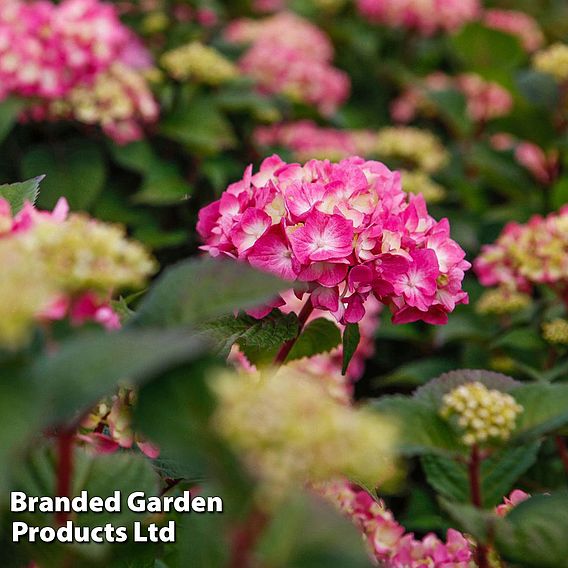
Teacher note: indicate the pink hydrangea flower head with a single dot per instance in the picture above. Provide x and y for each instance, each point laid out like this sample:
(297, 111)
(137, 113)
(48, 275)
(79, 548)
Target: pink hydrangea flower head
(424, 16)
(347, 230)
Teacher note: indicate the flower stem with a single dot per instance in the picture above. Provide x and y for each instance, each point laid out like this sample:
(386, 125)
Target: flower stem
(476, 500)
(562, 451)
(64, 468)
(245, 538)
(287, 347)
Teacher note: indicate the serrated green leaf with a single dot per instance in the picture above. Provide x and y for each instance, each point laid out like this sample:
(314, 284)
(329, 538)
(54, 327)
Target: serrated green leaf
(16, 194)
(499, 474)
(319, 336)
(533, 534)
(196, 290)
(351, 338)
(259, 339)
(420, 429)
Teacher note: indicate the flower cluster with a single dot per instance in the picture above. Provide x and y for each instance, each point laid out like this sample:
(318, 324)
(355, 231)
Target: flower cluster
(200, 63)
(75, 263)
(553, 61)
(516, 23)
(424, 16)
(501, 301)
(78, 59)
(108, 426)
(556, 331)
(346, 229)
(413, 146)
(289, 55)
(258, 416)
(418, 182)
(483, 414)
(529, 254)
(119, 101)
(386, 538)
(485, 100)
(306, 140)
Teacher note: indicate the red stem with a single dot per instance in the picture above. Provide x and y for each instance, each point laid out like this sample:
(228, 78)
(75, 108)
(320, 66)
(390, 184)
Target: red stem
(64, 469)
(287, 347)
(477, 501)
(562, 451)
(245, 538)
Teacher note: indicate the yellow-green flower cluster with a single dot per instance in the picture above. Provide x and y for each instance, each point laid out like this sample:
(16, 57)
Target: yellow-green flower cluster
(200, 63)
(483, 414)
(419, 148)
(553, 61)
(420, 182)
(289, 430)
(556, 331)
(85, 254)
(502, 301)
(26, 291)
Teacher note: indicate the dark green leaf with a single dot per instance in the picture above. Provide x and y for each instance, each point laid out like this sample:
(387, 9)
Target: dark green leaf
(319, 336)
(351, 338)
(10, 109)
(74, 169)
(539, 88)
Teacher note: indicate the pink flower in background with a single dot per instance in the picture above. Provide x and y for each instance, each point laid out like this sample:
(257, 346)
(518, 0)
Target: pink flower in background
(387, 540)
(289, 55)
(543, 166)
(515, 498)
(424, 16)
(347, 230)
(485, 100)
(517, 23)
(84, 65)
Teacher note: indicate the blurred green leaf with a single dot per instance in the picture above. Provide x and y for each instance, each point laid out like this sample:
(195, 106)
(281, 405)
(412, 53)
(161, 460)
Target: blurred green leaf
(485, 50)
(16, 194)
(539, 89)
(196, 290)
(421, 429)
(163, 185)
(559, 193)
(74, 169)
(86, 368)
(10, 109)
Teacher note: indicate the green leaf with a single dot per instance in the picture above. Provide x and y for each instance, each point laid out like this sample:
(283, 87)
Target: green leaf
(499, 474)
(534, 532)
(74, 169)
(137, 156)
(485, 50)
(163, 185)
(308, 533)
(197, 290)
(421, 429)
(351, 338)
(545, 409)
(451, 105)
(86, 368)
(199, 126)
(16, 194)
(319, 336)
(257, 338)
(473, 521)
(10, 109)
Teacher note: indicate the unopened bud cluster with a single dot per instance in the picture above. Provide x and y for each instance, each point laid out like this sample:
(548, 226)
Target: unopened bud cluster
(259, 417)
(482, 414)
(501, 301)
(200, 63)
